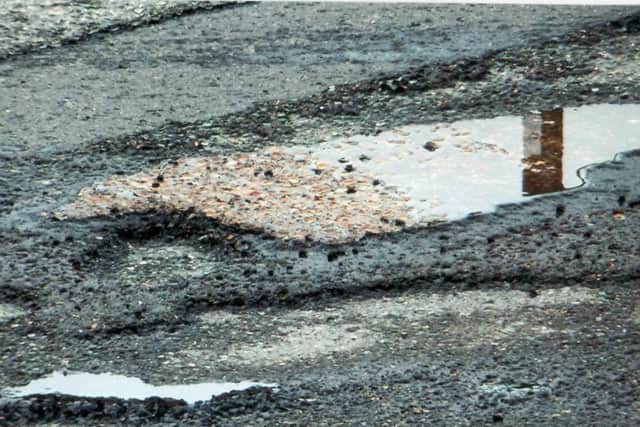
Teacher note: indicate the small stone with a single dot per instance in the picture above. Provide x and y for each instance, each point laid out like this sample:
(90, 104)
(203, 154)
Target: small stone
(618, 215)
(334, 255)
(430, 146)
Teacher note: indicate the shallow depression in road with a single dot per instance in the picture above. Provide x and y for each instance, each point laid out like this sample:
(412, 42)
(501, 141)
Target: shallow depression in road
(414, 175)
(123, 387)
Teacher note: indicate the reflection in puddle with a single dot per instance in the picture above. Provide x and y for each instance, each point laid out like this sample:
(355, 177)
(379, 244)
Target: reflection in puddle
(122, 387)
(413, 175)
(543, 149)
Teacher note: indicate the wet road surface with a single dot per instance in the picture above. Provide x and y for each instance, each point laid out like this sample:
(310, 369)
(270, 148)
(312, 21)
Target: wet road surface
(397, 215)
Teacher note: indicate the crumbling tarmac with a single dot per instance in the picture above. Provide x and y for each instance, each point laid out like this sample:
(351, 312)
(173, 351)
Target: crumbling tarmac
(525, 315)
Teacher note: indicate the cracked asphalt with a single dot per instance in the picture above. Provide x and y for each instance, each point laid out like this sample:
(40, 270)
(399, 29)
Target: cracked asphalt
(527, 315)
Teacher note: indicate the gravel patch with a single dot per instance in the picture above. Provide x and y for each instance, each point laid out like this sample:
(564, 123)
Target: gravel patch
(9, 312)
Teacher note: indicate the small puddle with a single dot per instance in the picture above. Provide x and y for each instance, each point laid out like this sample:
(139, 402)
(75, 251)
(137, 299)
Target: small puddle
(413, 175)
(123, 387)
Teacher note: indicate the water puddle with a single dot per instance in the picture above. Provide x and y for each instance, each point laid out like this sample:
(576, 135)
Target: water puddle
(413, 175)
(123, 387)
(450, 170)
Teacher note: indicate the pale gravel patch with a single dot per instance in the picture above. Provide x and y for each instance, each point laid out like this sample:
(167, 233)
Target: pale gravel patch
(635, 316)
(307, 342)
(154, 263)
(463, 304)
(299, 343)
(495, 317)
(220, 318)
(9, 311)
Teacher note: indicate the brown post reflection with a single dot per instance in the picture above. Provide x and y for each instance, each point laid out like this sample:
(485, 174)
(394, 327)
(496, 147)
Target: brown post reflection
(543, 148)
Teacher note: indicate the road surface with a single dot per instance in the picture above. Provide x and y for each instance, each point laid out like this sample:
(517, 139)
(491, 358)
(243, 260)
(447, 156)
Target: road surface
(524, 315)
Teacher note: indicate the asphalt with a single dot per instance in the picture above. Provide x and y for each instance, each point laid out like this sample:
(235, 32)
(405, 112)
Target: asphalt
(524, 316)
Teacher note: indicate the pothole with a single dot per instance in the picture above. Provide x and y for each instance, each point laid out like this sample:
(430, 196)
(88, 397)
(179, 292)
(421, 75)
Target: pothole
(343, 189)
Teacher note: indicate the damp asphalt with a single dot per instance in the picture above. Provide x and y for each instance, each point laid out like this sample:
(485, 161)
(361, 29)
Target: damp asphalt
(146, 235)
